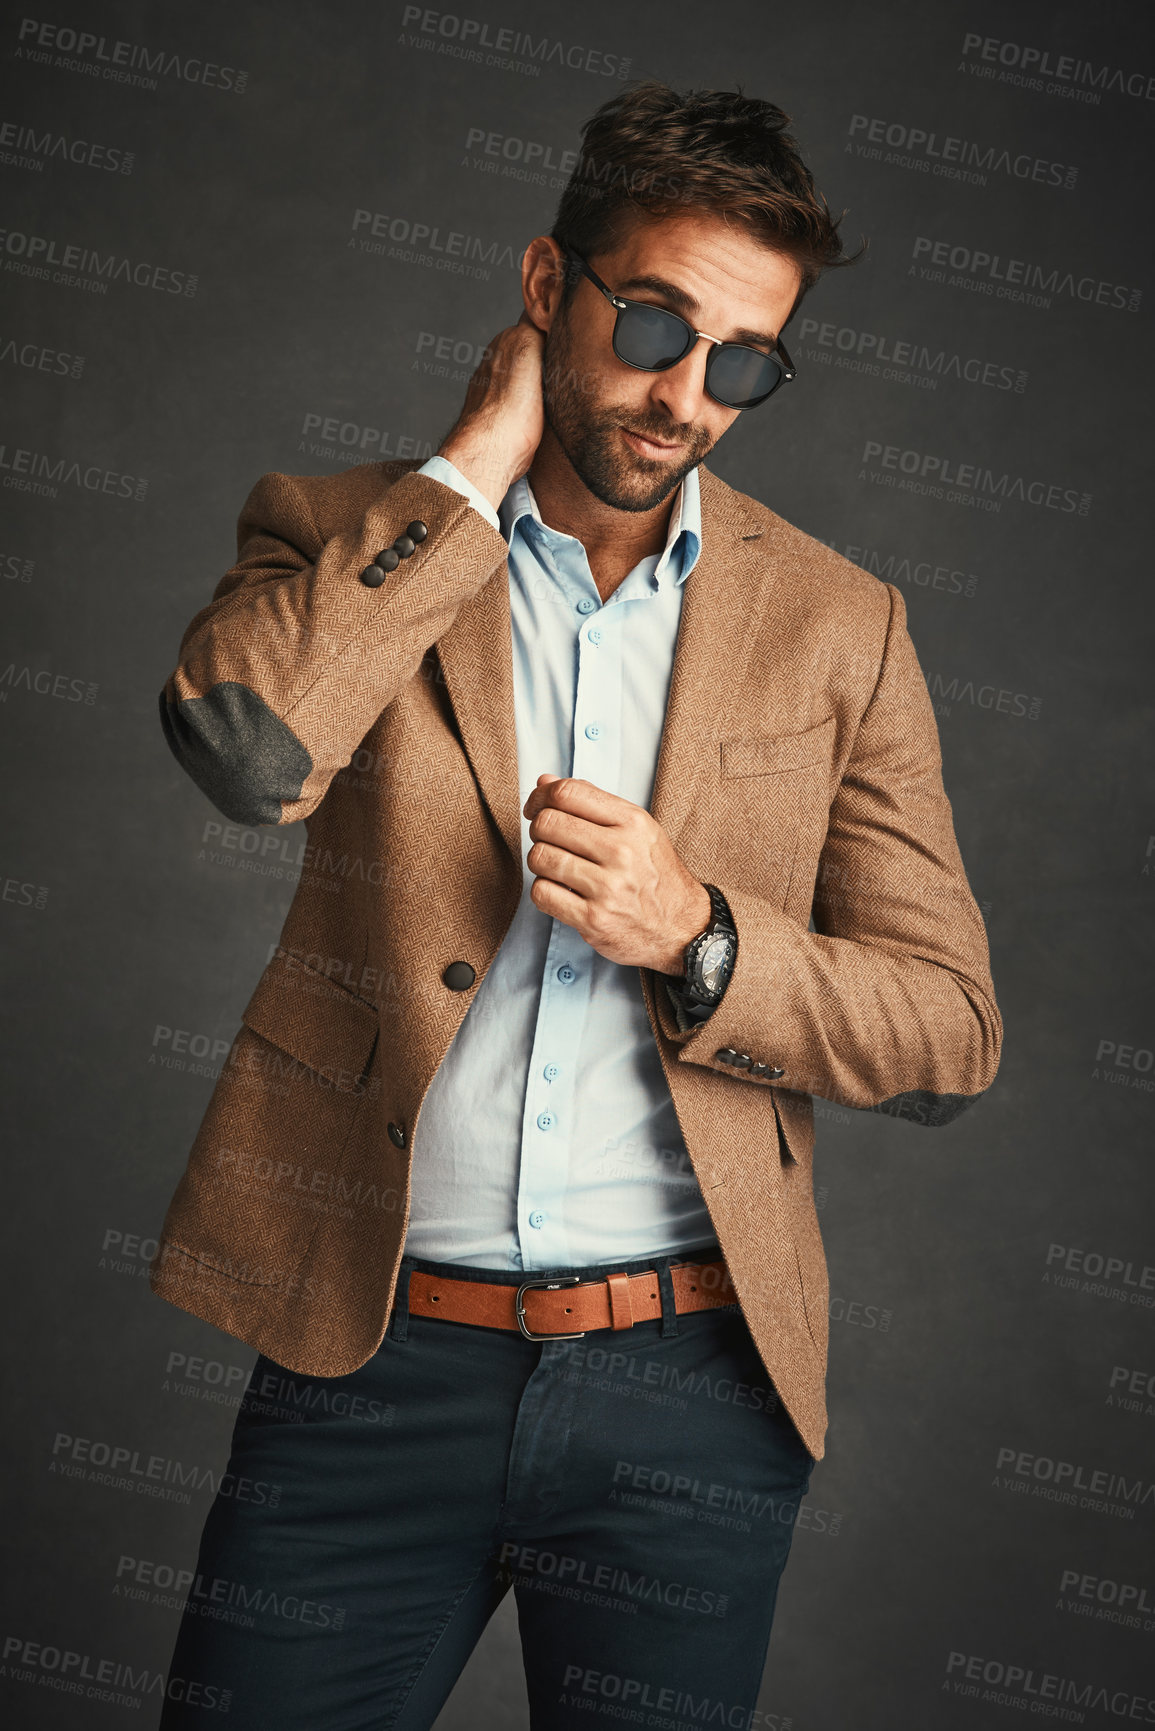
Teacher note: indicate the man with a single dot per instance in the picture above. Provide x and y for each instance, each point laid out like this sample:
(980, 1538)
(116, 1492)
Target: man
(627, 835)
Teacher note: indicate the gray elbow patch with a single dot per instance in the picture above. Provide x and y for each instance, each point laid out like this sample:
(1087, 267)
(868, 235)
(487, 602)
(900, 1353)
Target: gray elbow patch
(238, 752)
(931, 1110)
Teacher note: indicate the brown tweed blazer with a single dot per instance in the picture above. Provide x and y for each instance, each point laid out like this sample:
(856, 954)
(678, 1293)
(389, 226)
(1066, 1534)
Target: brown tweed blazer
(799, 771)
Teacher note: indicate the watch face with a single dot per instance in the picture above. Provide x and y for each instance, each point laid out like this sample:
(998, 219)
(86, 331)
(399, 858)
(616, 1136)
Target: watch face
(714, 963)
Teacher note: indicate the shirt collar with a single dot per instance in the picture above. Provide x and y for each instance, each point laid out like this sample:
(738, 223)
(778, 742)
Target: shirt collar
(683, 540)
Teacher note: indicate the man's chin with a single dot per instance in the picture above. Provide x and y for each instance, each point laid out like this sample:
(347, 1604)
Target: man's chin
(637, 484)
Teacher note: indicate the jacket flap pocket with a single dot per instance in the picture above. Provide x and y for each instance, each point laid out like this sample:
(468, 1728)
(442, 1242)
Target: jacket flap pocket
(773, 756)
(323, 1025)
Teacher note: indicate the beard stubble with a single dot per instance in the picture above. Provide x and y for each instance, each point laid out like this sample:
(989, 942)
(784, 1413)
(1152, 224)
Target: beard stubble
(590, 438)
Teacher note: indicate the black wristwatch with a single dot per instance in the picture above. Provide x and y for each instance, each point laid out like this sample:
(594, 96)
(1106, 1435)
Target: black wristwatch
(708, 962)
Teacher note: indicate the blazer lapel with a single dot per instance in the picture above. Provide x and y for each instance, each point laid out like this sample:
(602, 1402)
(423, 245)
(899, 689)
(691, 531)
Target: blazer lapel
(725, 598)
(476, 655)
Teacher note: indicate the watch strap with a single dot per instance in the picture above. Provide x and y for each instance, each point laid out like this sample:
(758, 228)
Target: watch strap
(690, 1010)
(719, 909)
(686, 1015)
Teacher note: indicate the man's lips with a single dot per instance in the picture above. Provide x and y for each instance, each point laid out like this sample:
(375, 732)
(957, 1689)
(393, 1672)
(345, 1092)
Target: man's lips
(651, 447)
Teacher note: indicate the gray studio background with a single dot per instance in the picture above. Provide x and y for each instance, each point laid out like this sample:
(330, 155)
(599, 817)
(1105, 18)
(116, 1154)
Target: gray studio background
(993, 1283)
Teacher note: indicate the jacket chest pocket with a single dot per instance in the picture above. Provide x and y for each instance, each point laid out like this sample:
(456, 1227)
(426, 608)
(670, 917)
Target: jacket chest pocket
(774, 804)
(785, 754)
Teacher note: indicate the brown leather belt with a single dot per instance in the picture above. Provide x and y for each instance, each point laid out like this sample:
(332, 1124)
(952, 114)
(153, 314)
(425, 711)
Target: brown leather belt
(565, 1307)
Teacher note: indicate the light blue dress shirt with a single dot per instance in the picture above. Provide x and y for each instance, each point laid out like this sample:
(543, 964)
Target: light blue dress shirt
(548, 1135)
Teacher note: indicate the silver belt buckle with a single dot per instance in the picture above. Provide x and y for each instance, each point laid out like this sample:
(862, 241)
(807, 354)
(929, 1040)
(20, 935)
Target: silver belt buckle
(550, 1286)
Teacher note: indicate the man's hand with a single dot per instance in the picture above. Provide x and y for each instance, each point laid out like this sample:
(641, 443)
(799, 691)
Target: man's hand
(605, 867)
(494, 439)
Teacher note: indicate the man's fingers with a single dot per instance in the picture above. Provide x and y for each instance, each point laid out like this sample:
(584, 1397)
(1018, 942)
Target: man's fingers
(559, 903)
(598, 842)
(582, 799)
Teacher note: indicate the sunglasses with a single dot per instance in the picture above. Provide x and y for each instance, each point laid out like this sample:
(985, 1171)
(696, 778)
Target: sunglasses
(652, 339)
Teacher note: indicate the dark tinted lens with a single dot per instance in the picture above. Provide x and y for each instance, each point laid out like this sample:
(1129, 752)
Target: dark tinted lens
(741, 377)
(650, 338)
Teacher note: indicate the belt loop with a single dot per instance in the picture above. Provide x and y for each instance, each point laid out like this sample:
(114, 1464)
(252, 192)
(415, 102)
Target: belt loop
(669, 1305)
(399, 1322)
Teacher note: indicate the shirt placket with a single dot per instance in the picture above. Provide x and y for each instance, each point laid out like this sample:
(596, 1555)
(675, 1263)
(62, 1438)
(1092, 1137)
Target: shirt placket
(547, 1147)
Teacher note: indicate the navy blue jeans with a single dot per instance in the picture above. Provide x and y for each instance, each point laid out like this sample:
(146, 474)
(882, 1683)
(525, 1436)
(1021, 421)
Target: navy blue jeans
(637, 1490)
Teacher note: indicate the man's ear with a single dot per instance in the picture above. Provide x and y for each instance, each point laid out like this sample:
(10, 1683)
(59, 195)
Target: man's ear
(542, 281)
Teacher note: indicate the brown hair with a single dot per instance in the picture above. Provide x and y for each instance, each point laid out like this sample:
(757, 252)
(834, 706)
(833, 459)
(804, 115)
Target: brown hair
(651, 150)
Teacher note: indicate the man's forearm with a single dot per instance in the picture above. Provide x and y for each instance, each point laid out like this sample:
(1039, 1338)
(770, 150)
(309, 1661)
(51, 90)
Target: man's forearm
(849, 1021)
(306, 642)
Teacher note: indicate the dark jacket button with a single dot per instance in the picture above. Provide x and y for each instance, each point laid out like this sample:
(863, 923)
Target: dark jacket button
(389, 560)
(416, 530)
(397, 1135)
(774, 1074)
(372, 576)
(405, 546)
(459, 976)
(741, 1060)
(726, 1055)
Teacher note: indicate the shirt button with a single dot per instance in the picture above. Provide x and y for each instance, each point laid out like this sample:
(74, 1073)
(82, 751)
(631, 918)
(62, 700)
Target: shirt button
(551, 1072)
(537, 1218)
(593, 731)
(586, 604)
(594, 634)
(546, 1120)
(566, 974)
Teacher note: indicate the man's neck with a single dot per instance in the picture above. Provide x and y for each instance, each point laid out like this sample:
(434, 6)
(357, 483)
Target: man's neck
(614, 540)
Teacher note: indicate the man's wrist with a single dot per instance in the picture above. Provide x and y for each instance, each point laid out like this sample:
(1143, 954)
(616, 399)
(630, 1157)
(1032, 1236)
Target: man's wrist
(697, 918)
(441, 469)
(477, 465)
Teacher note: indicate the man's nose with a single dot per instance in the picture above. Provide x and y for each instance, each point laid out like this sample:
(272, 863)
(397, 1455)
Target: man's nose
(681, 389)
